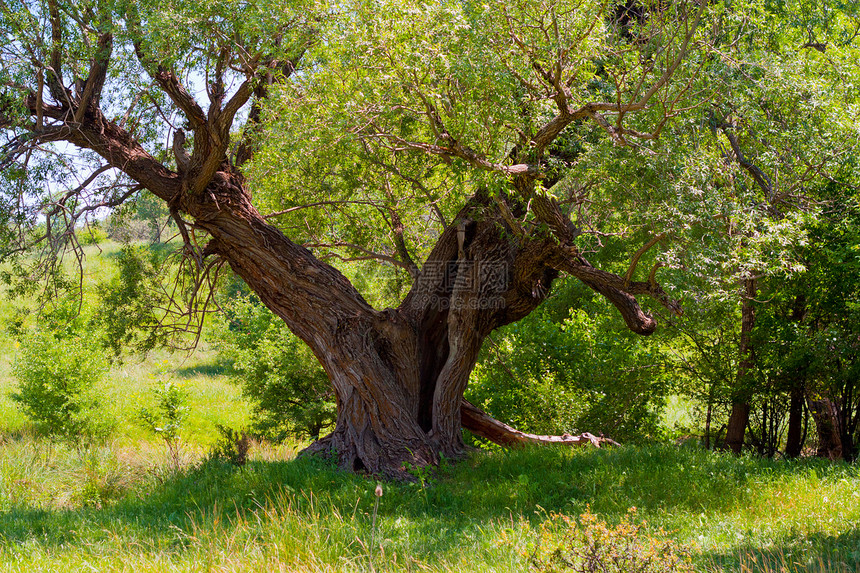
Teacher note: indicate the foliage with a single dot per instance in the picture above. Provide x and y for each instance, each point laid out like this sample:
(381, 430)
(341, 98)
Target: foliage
(232, 445)
(365, 132)
(809, 330)
(589, 545)
(59, 377)
(279, 374)
(167, 418)
(127, 312)
(581, 370)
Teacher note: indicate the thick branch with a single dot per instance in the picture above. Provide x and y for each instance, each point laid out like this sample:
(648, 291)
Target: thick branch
(55, 77)
(400, 244)
(617, 290)
(171, 85)
(96, 78)
(234, 104)
(638, 255)
(761, 179)
(165, 78)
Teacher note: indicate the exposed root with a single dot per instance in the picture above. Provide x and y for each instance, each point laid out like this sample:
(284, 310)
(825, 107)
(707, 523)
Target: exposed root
(482, 424)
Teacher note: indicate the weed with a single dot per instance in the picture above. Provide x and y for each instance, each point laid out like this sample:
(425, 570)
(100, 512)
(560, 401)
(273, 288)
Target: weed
(232, 446)
(589, 545)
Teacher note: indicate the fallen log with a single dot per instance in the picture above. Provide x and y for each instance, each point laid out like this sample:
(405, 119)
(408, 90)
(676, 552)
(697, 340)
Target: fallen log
(482, 424)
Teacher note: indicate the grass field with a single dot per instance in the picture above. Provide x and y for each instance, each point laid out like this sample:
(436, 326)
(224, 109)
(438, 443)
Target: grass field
(122, 506)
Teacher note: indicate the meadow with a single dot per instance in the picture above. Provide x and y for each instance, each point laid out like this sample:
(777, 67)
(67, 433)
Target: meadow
(124, 506)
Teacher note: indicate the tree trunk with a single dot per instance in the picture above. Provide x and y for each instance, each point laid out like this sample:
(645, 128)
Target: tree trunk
(826, 418)
(793, 440)
(740, 414)
(794, 437)
(399, 374)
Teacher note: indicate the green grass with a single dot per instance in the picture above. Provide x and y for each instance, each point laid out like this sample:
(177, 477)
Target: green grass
(117, 510)
(213, 397)
(122, 506)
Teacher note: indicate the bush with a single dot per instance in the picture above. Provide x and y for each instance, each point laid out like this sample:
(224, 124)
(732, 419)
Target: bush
(167, 418)
(573, 366)
(588, 545)
(57, 386)
(280, 375)
(93, 234)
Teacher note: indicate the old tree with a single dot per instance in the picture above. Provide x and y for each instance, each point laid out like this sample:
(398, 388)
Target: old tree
(465, 135)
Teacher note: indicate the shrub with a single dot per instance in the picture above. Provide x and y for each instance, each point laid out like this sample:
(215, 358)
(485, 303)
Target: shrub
(573, 366)
(588, 545)
(232, 446)
(57, 386)
(92, 234)
(168, 416)
(280, 375)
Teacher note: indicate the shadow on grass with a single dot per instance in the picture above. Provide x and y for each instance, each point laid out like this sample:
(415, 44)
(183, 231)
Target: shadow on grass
(488, 490)
(211, 368)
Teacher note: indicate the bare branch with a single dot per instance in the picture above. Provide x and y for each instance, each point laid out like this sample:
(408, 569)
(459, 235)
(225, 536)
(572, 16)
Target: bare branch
(83, 185)
(638, 255)
(416, 184)
(318, 204)
(459, 151)
(679, 57)
(369, 255)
